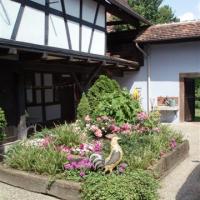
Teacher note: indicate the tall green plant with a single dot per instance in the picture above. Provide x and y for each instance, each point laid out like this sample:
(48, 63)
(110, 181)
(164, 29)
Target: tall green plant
(3, 124)
(118, 105)
(83, 107)
(102, 86)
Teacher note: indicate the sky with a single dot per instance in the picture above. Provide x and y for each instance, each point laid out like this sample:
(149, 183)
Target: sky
(186, 10)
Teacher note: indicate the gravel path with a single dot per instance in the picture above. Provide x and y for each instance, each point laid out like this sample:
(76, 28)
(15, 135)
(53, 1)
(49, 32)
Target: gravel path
(183, 183)
(8, 192)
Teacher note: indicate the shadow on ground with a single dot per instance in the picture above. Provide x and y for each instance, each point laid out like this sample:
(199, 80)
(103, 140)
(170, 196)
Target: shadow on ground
(191, 188)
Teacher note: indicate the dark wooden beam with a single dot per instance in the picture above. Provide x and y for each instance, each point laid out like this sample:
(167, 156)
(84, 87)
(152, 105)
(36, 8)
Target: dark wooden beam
(92, 75)
(114, 23)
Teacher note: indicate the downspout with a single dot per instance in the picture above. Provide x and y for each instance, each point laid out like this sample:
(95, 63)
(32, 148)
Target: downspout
(147, 56)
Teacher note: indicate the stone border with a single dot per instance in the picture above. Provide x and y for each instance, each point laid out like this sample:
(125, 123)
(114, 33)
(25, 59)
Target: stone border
(66, 190)
(169, 161)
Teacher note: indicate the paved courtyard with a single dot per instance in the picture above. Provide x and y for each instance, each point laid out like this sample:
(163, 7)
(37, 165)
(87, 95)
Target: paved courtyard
(8, 192)
(183, 183)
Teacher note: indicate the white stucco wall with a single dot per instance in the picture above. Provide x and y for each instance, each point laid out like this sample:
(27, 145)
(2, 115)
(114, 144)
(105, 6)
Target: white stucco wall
(167, 61)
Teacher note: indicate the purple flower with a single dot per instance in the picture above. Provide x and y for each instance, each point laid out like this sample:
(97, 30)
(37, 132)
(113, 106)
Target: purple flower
(122, 167)
(173, 144)
(121, 170)
(97, 147)
(82, 174)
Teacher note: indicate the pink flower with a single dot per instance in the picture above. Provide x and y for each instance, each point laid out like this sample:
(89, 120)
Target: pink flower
(98, 133)
(68, 166)
(105, 118)
(156, 129)
(142, 116)
(46, 141)
(94, 128)
(70, 157)
(87, 118)
(114, 128)
(65, 149)
(173, 144)
(126, 128)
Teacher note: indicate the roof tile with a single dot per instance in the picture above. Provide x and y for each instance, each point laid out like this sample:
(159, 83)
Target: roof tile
(173, 31)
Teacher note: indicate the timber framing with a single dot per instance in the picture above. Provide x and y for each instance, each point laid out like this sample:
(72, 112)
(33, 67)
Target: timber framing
(68, 56)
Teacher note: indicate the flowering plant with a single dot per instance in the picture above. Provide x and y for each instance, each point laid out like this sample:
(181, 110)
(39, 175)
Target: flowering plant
(105, 125)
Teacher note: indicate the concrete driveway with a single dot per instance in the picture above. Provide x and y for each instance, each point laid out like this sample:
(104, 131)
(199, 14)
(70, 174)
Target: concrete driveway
(8, 192)
(183, 183)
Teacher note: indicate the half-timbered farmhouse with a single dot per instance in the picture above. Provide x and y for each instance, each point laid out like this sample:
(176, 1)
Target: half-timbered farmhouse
(51, 51)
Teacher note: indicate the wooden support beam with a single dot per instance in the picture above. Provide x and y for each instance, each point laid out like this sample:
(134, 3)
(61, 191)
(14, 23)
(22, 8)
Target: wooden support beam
(77, 82)
(93, 74)
(114, 23)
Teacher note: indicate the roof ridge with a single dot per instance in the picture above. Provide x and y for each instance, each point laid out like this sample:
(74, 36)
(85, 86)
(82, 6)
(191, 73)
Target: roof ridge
(177, 23)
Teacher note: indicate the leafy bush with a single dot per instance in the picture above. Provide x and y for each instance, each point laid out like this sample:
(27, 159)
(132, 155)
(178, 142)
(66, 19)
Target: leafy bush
(3, 124)
(137, 185)
(102, 86)
(83, 107)
(39, 160)
(118, 105)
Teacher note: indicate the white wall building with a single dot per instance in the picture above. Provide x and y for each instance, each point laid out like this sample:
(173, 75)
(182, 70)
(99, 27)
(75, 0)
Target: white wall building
(171, 64)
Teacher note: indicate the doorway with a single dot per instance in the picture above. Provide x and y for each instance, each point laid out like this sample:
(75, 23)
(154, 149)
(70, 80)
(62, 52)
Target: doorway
(190, 97)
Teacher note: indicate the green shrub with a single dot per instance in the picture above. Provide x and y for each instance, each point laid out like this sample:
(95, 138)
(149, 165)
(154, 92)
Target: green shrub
(39, 160)
(83, 107)
(118, 105)
(102, 86)
(3, 124)
(137, 185)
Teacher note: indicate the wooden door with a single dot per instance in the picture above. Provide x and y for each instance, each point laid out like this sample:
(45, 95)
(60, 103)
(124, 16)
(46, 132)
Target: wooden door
(189, 99)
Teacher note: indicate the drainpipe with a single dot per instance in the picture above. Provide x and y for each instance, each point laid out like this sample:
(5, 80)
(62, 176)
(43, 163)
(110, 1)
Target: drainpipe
(147, 56)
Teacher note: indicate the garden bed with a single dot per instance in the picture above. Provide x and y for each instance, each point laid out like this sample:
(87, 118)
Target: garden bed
(169, 161)
(4, 148)
(106, 114)
(69, 190)
(66, 190)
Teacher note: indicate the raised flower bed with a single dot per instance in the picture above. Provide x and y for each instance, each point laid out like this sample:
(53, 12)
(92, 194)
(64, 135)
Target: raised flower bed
(64, 152)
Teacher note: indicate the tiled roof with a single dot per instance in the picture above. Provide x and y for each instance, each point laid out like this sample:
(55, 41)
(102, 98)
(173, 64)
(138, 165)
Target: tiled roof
(173, 31)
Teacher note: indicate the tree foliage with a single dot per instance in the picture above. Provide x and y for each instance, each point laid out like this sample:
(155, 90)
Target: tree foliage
(83, 107)
(153, 11)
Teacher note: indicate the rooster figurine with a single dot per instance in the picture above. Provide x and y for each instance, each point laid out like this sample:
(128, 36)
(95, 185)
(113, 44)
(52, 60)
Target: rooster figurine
(112, 160)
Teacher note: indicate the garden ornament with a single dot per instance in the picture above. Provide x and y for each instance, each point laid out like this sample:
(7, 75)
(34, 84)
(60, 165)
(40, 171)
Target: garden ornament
(112, 160)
